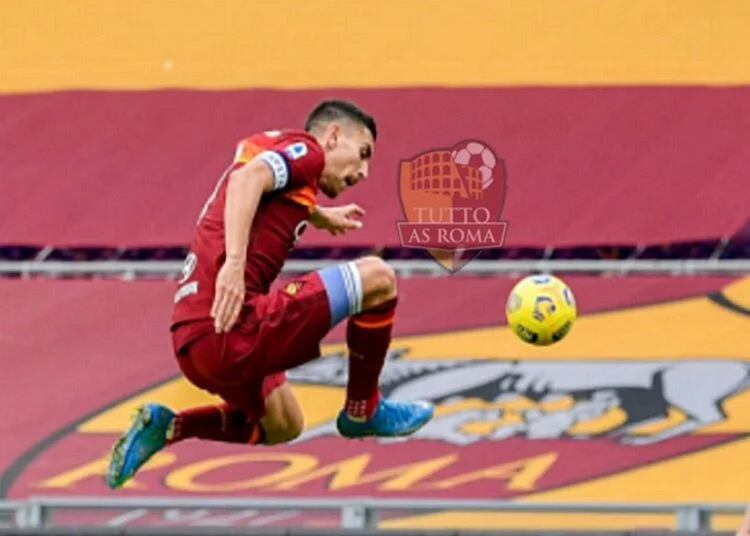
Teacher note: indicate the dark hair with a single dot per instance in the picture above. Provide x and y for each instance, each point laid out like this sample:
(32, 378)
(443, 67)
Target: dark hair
(335, 110)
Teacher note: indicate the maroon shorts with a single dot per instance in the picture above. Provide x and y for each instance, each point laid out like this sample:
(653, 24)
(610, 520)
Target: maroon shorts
(276, 332)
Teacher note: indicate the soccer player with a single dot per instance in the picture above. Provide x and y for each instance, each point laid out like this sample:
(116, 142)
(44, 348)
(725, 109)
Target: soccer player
(234, 336)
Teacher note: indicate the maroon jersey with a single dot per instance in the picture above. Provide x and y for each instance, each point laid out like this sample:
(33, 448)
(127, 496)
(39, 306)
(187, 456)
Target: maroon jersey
(296, 160)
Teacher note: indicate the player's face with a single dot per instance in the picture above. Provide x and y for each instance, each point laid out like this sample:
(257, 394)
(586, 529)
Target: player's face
(348, 151)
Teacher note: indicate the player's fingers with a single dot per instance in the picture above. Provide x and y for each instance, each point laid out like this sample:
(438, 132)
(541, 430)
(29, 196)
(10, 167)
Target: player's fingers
(234, 313)
(222, 310)
(217, 316)
(226, 313)
(355, 210)
(218, 300)
(233, 308)
(236, 309)
(223, 320)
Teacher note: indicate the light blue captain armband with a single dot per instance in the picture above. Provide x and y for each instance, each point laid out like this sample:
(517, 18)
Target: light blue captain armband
(279, 168)
(343, 284)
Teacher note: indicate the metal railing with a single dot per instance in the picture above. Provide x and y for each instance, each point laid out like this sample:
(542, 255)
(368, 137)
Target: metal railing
(403, 268)
(360, 513)
(12, 513)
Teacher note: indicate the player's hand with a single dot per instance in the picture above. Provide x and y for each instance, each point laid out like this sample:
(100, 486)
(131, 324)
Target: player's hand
(230, 295)
(338, 220)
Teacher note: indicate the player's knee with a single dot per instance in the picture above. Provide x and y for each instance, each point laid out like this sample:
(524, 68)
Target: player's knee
(378, 279)
(283, 430)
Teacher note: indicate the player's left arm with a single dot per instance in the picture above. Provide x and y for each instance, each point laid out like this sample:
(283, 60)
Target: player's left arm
(304, 163)
(305, 160)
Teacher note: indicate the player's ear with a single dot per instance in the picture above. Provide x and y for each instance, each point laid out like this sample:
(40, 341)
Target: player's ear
(334, 133)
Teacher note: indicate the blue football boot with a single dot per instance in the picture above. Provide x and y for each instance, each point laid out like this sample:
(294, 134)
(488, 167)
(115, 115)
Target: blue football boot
(146, 436)
(392, 418)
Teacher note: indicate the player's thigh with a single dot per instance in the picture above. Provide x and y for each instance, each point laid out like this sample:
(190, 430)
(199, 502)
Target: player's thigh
(277, 332)
(283, 420)
(292, 320)
(223, 361)
(295, 317)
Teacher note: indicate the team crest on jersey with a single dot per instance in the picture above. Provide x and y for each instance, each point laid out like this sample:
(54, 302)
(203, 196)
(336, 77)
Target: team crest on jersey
(296, 150)
(293, 288)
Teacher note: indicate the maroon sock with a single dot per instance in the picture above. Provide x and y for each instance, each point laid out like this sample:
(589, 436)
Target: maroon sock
(220, 422)
(368, 336)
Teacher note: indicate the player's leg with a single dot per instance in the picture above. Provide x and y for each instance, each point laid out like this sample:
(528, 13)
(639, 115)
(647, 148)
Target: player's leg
(365, 292)
(235, 419)
(263, 412)
(368, 334)
(266, 413)
(295, 318)
(283, 420)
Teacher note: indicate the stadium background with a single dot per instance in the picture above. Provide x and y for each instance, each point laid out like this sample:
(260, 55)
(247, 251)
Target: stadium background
(624, 131)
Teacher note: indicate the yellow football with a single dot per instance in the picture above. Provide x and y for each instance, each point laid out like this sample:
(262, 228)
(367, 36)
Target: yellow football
(541, 309)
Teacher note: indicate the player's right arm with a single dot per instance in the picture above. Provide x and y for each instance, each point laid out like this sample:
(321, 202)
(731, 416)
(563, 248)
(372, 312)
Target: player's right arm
(245, 187)
(290, 163)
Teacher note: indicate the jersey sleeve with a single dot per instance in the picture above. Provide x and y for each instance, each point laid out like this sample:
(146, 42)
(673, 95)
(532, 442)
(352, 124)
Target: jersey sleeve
(295, 163)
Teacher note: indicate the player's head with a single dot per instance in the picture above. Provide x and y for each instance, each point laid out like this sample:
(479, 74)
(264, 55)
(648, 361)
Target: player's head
(347, 135)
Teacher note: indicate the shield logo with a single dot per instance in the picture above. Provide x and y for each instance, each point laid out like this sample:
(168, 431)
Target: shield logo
(453, 199)
(293, 288)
